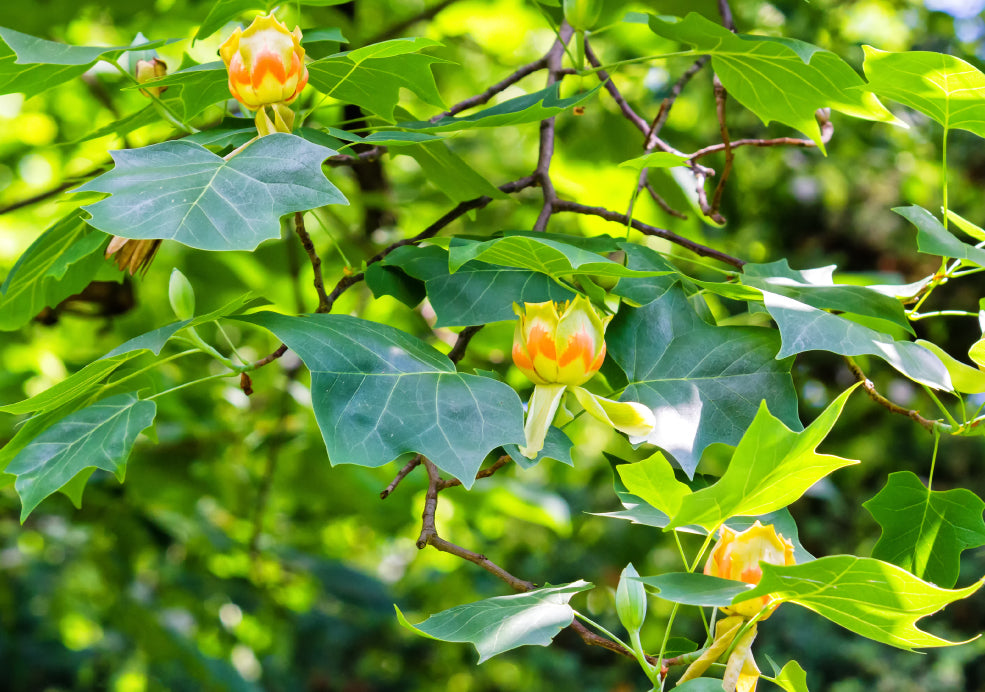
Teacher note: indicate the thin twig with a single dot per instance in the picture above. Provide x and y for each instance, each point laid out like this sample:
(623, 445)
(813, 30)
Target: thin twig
(462, 342)
(726, 12)
(401, 474)
(309, 248)
(614, 92)
(870, 389)
(371, 154)
(496, 88)
(483, 473)
(668, 103)
(721, 99)
(823, 118)
(546, 147)
(661, 202)
(609, 215)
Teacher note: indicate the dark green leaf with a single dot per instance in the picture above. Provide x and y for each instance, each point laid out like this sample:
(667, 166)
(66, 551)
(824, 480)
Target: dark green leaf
(60, 263)
(499, 624)
(557, 446)
(530, 108)
(925, 531)
(692, 588)
(703, 383)
(934, 239)
(100, 436)
(378, 393)
(871, 598)
(182, 191)
(449, 173)
(195, 87)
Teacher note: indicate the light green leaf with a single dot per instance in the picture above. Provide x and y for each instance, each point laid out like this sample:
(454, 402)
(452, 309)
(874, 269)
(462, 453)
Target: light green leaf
(557, 446)
(694, 588)
(194, 87)
(653, 481)
(703, 383)
(495, 625)
(223, 12)
(100, 436)
(449, 173)
(60, 263)
(934, 239)
(772, 466)
(871, 598)
(31, 65)
(332, 34)
(556, 259)
(783, 80)
(967, 226)
(529, 108)
(792, 678)
(655, 159)
(700, 685)
(378, 393)
(964, 378)
(182, 191)
(391, 48)
(925, 531)
(940, 86)
(375, 83)
(125, 125)
(804, 328)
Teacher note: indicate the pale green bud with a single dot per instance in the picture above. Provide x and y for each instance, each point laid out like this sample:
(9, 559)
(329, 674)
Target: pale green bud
(182, 295)
(582, 14)
(630, 600)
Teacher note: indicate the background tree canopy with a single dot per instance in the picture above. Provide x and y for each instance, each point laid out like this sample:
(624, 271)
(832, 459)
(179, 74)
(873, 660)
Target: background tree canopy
(236, 557)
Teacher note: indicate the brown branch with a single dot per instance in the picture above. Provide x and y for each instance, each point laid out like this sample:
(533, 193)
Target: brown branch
(726, 12)
(542, 173)
(401, 474)
(646, 229)
(721, 99)
(668, 103)
(661, 202)
(614, 92)
(870, 389)
(823, 118)
(371, 154)
(496, 88)
(462, 342)
(309, 248)
(483, 473)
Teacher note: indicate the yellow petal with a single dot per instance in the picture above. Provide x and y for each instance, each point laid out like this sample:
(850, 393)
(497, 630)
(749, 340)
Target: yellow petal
(543, 405)
(634, 419)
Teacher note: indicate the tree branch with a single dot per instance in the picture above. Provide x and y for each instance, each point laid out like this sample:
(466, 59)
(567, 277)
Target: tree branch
(401, 474)
(542, 173)
(721, 98)
(827, 131)
(870, 389)
(462, 342)
(496, 88)
(646, 229)
(309, 248)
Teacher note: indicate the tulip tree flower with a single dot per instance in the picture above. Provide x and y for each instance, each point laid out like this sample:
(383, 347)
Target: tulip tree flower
(562, 346)
(266, 69)
(148, 70)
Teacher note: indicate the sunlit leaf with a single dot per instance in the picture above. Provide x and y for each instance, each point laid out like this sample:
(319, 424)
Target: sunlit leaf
(934, 239)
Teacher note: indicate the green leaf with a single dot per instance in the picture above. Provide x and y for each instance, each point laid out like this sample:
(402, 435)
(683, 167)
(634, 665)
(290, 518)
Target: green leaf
(31, 65)
(815, 287)
(478, 293)
(653, 481)
(197, 87)
(964, 378)
(700, 685)
(940, 86)
(499, 624)
(645, 289)
(148, 115)
(655, 159)
(693, 588)
(557, 446)
(925, 531)
(182, 191)
(792, 678)
(60, 263)
(703, 383)
(804, 328)
(99, 436)
(72, 387)
(934, 239)
(967, 226)
(777, 79)
(529, 108)
(871, 598)
(375, 84)
(556, 259)
(223, 12)
(449, 173)
(772, 466)
(332, 33)
(391, 48)
(378, 393)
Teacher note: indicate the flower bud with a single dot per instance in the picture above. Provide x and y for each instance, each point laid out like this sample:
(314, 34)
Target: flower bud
(265, 63)
(559, 344)
(182, 295)
(630, 600)
(737, 556)
(132, 255)
(582, 14)
(148, 70)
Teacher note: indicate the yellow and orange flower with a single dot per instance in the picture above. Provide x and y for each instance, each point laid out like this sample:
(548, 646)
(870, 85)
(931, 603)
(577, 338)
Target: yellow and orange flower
(566, 347)
(737, 556)
(265, 63)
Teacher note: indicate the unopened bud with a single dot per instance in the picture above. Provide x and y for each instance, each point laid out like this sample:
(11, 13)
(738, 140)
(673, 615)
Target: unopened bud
(182, 295)
(582, 14)
(630, 600)
(148, 70)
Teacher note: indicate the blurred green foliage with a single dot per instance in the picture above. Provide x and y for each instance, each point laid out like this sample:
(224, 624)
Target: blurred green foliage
(235, 558)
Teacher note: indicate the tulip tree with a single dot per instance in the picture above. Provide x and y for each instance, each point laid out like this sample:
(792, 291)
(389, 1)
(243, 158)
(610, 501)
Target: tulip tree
(402, 358)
